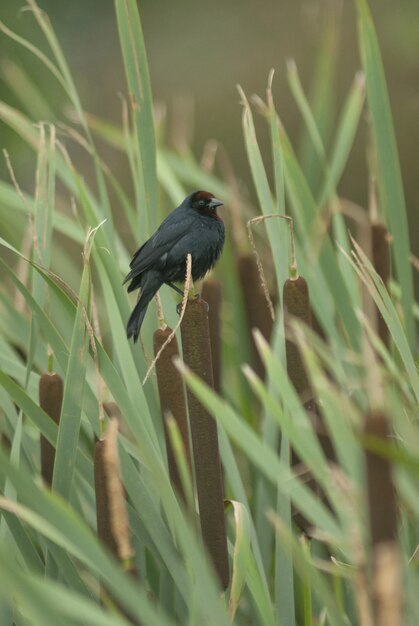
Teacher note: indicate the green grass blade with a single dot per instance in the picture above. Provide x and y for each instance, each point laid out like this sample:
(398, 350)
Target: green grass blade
(389, 174)
(64, 520)
(261, 455)
(382, 299)
(306, 569)
(240, 556)
(305, 213)
(284, 577)
(26, 90)
(68, 432)
(48, 31)
(36, 52)
(40, 419)
(15, 586)
(274, 231)
(304, 107)
(232, 475)
(322, 96)
(345, 134)
(282, 251)
(138, 79)
(124, 355)
(342, 147)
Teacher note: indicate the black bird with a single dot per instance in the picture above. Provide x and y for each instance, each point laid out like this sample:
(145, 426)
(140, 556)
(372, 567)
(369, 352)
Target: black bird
(192, 228)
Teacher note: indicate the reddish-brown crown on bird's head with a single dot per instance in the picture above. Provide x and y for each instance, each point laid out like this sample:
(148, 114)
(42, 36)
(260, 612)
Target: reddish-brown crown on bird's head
(205, 203)
(203, 195)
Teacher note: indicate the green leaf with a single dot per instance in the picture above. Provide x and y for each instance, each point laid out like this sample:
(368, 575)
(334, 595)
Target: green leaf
(240, 556)
(306, 569)
(69, 427)
(389, 174)
(262, 456)
(284, 578)
(347, 126)
(64, 520)
(326, 281)
(138, 79)
(275, 231)
(379, 293)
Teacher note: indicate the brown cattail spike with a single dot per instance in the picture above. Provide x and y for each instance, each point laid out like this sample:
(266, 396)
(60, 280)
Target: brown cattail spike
(116, 493)
(111, 513)
(172, 400)
(381, 496)
(104, 528)
(50, 400)
(112, 519)
(211, 293)
(381, 261)
(197, 355)
(387, 585)
(296, 306)
(5, 442)
(113, 410)
(257, 313)
(386, 558)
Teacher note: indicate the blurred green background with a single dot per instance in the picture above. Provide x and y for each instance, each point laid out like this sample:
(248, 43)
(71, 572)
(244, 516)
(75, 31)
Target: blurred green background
(197, 54)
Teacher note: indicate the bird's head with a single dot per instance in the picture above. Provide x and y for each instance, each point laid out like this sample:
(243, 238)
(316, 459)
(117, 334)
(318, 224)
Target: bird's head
(204, 202)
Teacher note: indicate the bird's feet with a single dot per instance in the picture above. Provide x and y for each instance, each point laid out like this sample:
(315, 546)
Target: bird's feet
(195, 297)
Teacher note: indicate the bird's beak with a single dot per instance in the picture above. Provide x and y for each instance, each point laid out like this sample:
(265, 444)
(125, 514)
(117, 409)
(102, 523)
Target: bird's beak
(214, 203)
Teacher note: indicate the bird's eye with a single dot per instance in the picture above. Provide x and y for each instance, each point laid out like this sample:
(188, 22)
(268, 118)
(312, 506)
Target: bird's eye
(201, 203)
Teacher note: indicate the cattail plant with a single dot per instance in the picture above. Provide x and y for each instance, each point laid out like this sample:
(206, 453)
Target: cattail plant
(111, 513)
(197, 356)
(171, 391)
(112, 410)
(5, 442)
(381, 260)
(172, 400)
(112, 520)
(296, 306)
(50, 400)
(211, 293)
(387, 595)
(380, 248)
(296, 302)
(257, 313)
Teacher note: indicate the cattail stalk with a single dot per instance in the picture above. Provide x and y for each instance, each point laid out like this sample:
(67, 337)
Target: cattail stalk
(104, 529)
(197, 356)
(257, 313)
(50, 400)
(211, 293)
(380, 251)
(112, 410)
(296, 306)
(381, 261)
(382, 510)
(112, 519)
(172, 401)
(387, 592)
(111, 512)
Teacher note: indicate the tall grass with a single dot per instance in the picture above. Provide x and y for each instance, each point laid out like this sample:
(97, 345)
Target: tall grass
(64, 311)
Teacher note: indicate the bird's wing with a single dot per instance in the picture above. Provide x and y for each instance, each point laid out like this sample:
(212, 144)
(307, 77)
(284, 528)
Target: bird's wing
(174, 227)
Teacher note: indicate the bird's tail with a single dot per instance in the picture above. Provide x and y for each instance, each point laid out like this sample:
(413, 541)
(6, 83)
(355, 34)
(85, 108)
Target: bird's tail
(151, 286)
